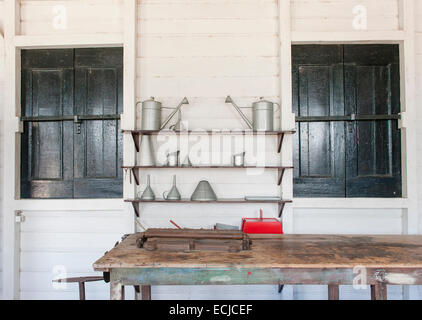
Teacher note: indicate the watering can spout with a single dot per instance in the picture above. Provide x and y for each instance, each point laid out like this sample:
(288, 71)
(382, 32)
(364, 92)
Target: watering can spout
(184, 101)
(230, 100)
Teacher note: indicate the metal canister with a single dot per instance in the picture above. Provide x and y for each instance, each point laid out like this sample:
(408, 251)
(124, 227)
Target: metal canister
(263, 115)
(151, 114)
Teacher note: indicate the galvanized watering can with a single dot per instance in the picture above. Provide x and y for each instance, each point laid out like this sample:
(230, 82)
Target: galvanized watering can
(151, 114)
(262, 114)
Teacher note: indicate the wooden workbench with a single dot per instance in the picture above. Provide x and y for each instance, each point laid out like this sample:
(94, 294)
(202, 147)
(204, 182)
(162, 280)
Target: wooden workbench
(332, 260)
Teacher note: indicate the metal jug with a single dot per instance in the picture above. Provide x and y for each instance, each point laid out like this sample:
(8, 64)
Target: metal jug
(151, 114)
(262, 114)
(173, 159)
(239, 159)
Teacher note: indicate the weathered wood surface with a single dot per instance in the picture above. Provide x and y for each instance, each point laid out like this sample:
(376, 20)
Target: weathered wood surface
(284, 251)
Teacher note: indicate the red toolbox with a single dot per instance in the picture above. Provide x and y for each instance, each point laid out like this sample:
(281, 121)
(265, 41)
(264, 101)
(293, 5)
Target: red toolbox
(262, 225)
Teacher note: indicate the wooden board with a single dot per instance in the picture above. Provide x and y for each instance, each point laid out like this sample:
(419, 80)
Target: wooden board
(283, 251)
(188, 240)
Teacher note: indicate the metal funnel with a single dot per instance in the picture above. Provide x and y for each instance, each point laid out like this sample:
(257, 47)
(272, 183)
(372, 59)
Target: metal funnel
(203, 192)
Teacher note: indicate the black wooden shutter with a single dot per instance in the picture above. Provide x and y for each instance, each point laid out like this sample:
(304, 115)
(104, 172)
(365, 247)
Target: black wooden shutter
(319, 146)
(347, 100)
(373, 148)
(64, 159)
(47, 147)
(98, 146)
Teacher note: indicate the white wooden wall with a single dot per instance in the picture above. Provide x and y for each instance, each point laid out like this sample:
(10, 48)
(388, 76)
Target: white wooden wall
(202, 49)
(1, 143)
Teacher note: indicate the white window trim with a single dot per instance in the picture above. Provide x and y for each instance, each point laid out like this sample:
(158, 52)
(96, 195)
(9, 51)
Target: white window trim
(13, 43)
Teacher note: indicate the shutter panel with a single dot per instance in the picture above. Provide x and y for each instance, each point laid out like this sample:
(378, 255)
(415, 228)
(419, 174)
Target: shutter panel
(318, 146)
(373, 148)
(98, 146)
(47, 147)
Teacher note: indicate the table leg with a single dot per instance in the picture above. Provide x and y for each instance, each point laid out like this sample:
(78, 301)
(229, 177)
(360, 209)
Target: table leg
(333, 292)
(146, 292)
(379, 291)
(116, 291)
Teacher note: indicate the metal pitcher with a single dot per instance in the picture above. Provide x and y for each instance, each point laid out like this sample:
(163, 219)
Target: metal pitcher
(151, 114)
(262, 114)
(173, 159)
(239, 159)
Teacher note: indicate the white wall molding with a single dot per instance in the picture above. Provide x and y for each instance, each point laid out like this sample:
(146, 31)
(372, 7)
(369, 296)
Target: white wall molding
(129, 99)
(351, 203)
(408, 94)
(69, 41)
(11, 159)
(301, 37)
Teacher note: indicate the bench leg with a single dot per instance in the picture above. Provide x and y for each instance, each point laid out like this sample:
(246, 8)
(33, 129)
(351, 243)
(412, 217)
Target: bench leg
(81, 290)
(146, 292)
(333, 292)
(379, 291)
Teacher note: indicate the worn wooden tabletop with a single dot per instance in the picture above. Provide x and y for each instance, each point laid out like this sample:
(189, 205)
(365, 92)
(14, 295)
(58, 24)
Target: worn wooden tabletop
(285, 251)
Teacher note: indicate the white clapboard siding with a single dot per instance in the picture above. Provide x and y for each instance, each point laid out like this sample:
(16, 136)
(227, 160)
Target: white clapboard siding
(71, 17)
(347, 221)
(191, 45)
(65, 244)
(338, 15)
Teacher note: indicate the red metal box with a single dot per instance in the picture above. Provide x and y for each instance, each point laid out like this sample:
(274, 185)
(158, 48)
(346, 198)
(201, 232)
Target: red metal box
(262, 225)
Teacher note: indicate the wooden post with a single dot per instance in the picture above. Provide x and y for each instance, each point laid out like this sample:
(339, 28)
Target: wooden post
(116, 290)
(333, 292)
(146, 292)
(379, 291)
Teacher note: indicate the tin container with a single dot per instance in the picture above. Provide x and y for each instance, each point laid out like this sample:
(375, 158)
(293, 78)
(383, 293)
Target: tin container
(262, 225)
(151, 114)
(263, 115)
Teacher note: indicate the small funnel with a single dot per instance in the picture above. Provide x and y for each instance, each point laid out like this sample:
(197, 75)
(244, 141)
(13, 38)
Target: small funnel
(148, 194)
(203, 192)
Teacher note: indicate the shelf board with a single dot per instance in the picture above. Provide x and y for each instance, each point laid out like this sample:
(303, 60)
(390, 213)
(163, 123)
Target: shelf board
(135, 169)
(280, 134)
(281, 203)
(233, 132)
(207, 167)
(222, 200)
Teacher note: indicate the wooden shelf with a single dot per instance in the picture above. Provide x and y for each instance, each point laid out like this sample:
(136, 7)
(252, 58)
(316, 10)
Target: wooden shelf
(281, 169)
(281, 203)
(136, 133)
(216, 131)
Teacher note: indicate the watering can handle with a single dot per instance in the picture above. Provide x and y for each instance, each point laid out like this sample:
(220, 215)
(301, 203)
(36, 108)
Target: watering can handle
(278, 105)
